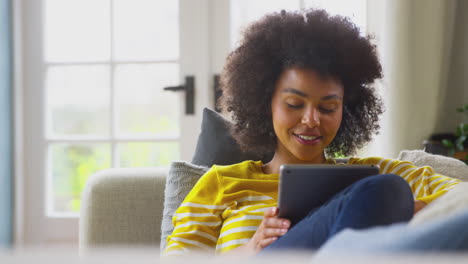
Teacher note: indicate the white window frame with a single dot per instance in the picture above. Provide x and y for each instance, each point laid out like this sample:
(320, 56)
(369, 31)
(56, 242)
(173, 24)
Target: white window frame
(31, 225)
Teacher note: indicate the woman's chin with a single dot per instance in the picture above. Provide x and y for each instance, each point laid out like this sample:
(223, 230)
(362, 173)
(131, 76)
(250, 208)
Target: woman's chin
(310, 158)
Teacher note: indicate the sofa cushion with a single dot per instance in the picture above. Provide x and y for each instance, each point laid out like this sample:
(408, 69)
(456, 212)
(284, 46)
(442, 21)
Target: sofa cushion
(180, 180)
(441, 164)
(453, 202)
(215, 144)
(450, 203)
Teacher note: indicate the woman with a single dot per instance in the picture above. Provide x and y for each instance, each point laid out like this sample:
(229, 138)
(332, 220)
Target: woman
(299, 85)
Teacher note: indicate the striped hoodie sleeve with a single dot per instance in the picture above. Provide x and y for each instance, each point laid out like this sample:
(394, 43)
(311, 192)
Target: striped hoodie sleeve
(426, 184)
(197, 221)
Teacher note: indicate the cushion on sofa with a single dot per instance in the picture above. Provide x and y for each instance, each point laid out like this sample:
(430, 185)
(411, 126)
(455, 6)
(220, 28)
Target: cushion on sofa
(215, 144)
(441, 164)
(453, 201)
(180, 180)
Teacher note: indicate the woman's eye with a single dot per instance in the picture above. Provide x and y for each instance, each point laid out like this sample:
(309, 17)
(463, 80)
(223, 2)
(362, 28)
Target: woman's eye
(295, 106)
(327, 110)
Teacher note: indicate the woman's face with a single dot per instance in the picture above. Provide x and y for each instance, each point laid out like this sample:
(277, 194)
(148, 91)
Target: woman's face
(306, 111)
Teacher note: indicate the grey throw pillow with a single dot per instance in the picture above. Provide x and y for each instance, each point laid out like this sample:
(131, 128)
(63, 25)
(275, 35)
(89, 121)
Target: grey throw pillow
(215, 144)
(180, 180)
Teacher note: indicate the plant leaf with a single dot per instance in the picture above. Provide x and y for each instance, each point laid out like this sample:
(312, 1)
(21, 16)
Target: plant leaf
(447, 143)
(460, 110)
(459, 142)
(458, 131)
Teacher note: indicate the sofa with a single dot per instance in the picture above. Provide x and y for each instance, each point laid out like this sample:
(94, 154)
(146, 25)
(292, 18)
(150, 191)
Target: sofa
(124, 207)
(133, 207)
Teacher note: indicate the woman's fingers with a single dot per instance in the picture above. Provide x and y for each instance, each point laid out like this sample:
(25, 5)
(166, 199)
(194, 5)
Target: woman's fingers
(273, 222)
(274, 232)
(272, 225)
(270, 229)
(266, 242)
(271, 212)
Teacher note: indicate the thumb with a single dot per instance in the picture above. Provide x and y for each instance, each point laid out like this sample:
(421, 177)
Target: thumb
(271, 212)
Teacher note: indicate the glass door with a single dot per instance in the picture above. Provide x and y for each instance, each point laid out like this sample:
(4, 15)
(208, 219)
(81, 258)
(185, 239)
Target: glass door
(93, 78)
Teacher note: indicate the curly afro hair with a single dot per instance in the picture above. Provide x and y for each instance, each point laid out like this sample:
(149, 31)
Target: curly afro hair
(331, 46)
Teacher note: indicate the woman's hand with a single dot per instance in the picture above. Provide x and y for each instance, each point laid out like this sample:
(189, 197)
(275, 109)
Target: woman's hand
(418, 205)
(269, 230)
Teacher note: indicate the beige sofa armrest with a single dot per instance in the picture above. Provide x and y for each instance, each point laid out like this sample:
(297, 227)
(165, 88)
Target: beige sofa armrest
(122, 207)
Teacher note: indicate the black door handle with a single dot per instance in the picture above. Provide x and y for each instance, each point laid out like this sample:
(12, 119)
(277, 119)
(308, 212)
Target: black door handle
(217, 92)
(189, 88)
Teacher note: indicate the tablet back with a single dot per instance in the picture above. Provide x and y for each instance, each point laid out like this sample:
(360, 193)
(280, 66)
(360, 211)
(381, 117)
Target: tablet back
(302, 188)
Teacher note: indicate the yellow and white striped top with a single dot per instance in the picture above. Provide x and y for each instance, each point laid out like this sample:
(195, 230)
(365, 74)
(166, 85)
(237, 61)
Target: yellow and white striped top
(225, 207)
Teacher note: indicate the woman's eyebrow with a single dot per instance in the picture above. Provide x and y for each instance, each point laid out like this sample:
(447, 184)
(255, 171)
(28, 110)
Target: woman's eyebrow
(294, 91)
(300, 93)
(331, 97)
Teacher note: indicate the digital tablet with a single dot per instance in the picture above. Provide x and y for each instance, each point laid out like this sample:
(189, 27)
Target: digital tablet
(305, 187)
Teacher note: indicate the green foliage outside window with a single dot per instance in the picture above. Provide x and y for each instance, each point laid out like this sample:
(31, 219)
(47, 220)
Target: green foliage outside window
(72, 164)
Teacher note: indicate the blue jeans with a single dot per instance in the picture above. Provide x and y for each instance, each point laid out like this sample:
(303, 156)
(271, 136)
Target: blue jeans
(374, 201)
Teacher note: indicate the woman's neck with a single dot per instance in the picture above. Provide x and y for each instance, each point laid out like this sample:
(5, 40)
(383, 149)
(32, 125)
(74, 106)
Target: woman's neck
(274, 165)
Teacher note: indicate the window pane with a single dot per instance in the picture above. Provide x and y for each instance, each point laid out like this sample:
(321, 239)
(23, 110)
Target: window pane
(77, 100)
(143, 108)
(70, 167)
(77, 30)
(354, 9)
(244, 12)
(147, 154)
(146, 30)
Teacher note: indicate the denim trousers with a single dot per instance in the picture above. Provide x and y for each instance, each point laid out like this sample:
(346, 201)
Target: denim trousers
(374, 201)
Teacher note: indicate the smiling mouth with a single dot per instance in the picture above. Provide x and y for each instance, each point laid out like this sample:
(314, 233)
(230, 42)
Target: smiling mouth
(307, 139)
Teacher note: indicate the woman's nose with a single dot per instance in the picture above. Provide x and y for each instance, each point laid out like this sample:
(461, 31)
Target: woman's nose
(311, 118)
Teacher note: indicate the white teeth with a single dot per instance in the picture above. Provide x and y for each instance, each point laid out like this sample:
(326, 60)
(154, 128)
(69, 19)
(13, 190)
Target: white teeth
(307, 137)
